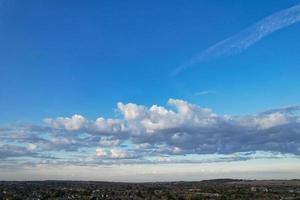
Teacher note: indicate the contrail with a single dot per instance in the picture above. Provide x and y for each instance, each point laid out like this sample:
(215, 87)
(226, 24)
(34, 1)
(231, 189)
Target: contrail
(247, 37)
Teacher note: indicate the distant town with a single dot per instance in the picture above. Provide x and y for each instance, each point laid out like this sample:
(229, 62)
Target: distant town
(209, 189)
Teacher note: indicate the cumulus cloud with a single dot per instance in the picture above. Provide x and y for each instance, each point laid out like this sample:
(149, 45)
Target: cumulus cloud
(31, 147)
(145, 134)
(78, 122)
(101, 152)
(11, 151)
(186, 128)
(112, 153)
(271, 120)
(109, 142)
(247, 37)
(109, 126)
(73, 123)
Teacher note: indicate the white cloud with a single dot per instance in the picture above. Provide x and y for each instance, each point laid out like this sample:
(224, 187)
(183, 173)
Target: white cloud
(109, 142)
(109, 125)
(271, 120)
(156, 118)
(187, 128)
(132, 111)
(32, 147)
(264, 121)
(118, 154)
(111, 153)
(142, 132)
(73, 123)
(142, 146)
(101, 152)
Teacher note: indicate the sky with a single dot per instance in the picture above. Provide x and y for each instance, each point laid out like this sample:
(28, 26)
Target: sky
(167, 90)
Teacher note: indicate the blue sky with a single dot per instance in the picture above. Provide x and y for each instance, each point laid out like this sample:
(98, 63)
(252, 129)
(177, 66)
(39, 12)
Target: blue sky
(61, 58)
(65, 64)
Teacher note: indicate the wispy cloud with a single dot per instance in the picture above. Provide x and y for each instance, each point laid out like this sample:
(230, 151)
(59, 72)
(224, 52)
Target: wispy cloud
(247, 37)
(205, 92)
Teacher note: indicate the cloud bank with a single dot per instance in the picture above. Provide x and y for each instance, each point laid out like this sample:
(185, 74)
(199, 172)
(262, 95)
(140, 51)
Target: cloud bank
(247, 37)
(177, 133)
